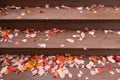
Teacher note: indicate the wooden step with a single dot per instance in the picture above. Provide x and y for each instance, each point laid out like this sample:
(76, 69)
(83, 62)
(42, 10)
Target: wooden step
(102, 41)
(103, 76)
(61, 14)
(106, 73)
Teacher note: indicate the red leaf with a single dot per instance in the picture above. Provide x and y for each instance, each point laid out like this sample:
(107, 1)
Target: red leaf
(85, 29)
(46, 62)
(99, 70)
(109, 67)
(117, 58)
(6, 62)
(11, 69)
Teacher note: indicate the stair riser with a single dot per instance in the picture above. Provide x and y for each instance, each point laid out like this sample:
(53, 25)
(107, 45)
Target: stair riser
(59, 2)
(56, 51)
(62, 24)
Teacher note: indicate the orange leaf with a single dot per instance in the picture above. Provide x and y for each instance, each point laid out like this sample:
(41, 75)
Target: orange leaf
(32, 62)
(16, 43)
(94, 59)
(61, 58)
(56, 74)
(5, 33)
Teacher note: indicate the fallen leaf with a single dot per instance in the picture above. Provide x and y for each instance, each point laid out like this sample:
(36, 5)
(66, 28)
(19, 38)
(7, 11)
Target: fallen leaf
(11, 69)
(56, 74)
(17, 43)
(108, 67)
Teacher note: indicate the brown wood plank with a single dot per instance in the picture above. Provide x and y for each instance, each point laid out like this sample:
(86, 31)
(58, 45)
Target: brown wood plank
(101, 40)
(28, 75)
(61, 24)
(52, 13)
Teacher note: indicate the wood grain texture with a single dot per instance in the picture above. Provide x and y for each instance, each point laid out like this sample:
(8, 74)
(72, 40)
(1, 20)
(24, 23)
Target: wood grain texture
(28, 75)
(64, 14)
(102, 44)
